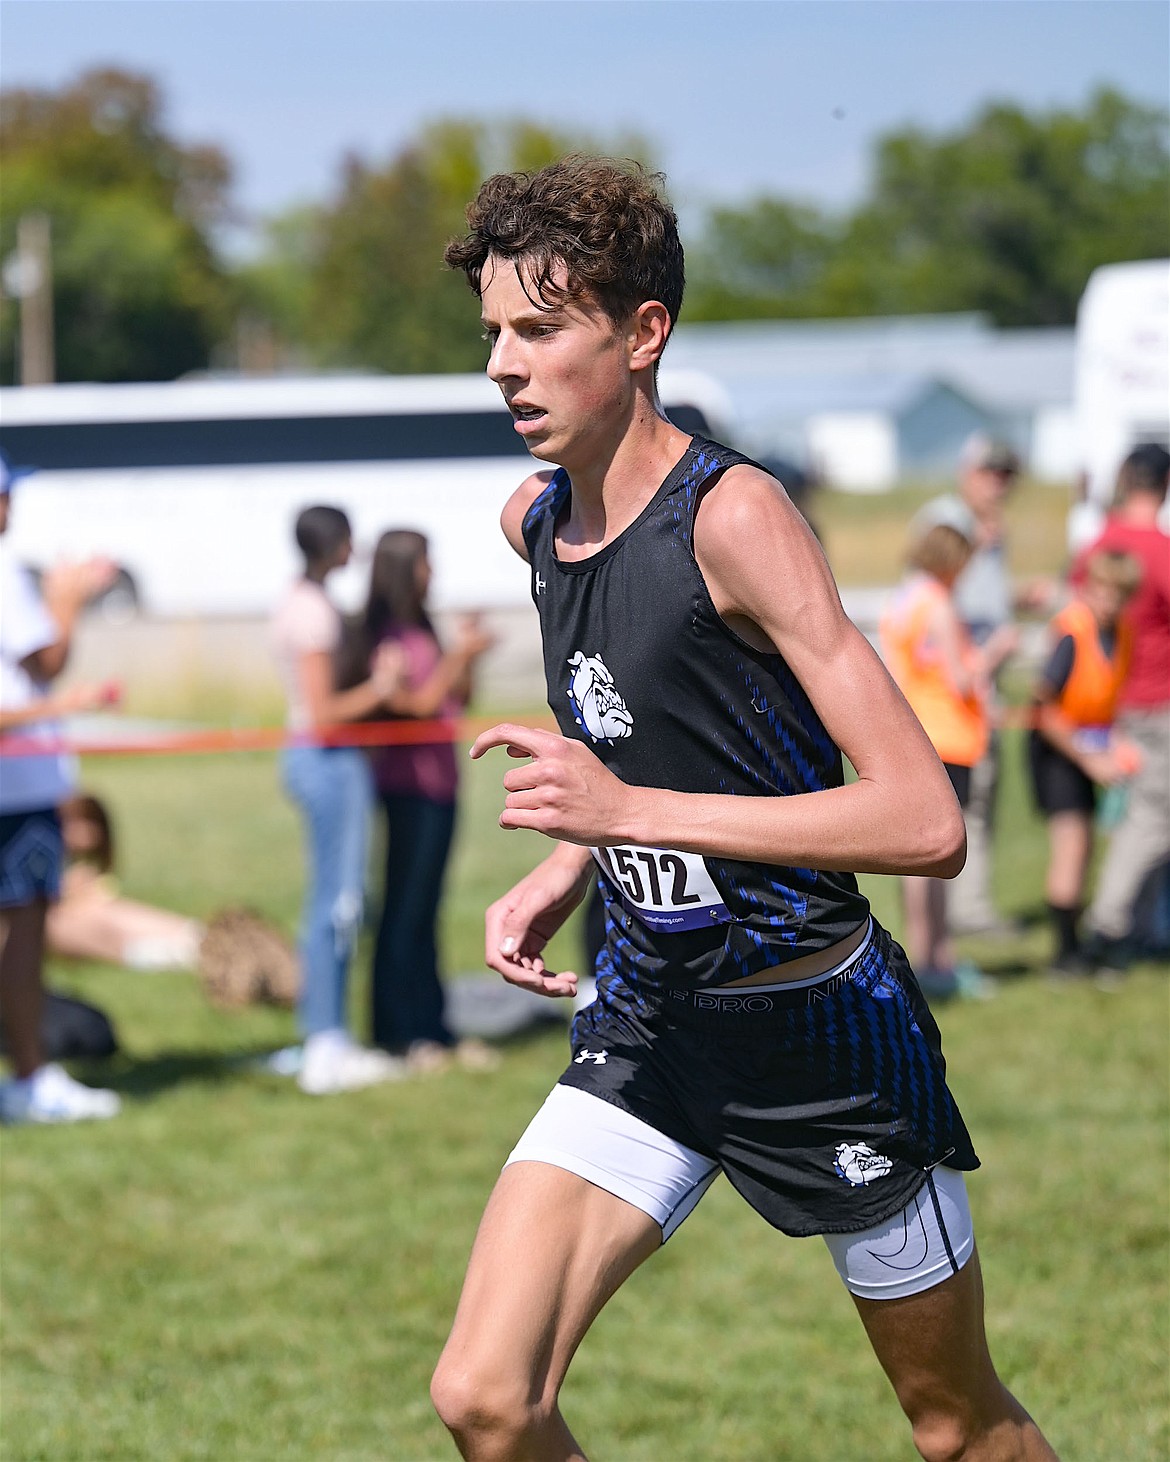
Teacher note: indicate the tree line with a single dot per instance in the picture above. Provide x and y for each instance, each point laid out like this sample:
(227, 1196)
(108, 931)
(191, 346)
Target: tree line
(1007, 215)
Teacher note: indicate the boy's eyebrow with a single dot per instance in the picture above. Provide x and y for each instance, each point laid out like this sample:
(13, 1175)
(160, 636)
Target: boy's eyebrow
(526, 317)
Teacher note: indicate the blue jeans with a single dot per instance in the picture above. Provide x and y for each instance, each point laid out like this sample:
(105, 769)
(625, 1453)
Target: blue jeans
(332, 788)
(406, 992)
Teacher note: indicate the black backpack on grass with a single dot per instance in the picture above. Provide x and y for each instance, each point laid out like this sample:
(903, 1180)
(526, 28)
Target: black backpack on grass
(73, 1030)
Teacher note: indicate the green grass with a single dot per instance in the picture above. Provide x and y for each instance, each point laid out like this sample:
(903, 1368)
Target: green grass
(232, 1270)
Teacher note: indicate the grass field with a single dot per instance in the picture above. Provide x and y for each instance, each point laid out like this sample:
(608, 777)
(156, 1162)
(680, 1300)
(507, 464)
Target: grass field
(233, 1270)
(865, 534)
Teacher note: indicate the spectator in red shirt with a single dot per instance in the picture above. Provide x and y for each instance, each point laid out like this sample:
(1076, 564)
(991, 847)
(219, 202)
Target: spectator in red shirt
(1141, 841)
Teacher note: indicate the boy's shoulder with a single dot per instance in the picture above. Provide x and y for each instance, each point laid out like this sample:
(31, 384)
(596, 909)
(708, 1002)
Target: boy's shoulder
(743, 498)
(520, 504)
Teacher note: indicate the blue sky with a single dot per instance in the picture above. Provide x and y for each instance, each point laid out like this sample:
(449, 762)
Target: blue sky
(737, 97)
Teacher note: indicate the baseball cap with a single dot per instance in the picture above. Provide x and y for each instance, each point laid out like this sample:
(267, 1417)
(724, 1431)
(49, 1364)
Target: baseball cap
(989, 454)
(10, 475)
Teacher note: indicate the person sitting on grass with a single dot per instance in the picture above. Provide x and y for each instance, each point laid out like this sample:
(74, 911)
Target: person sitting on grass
(1073, 748)
(93, 921)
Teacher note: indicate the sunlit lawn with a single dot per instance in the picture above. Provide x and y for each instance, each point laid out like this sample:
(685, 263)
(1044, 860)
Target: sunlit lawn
(865, 534)
(235, 1271)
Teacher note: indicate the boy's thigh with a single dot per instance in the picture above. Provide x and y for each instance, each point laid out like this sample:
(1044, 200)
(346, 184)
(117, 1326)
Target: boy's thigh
(626, 1156)
(933, 1345)
(551, 1249)
(922, 1246)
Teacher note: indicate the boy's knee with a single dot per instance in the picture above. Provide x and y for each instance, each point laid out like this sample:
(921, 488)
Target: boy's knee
(485, 1413)
(943, 1434)
(940, 1437)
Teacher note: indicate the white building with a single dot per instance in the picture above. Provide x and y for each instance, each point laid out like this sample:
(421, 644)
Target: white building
(868, 402)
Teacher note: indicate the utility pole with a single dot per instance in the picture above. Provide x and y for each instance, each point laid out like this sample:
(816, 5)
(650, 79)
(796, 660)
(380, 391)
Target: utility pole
(35, 292)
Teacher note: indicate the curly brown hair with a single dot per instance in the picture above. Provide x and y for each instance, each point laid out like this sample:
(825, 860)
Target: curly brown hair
(605, 220)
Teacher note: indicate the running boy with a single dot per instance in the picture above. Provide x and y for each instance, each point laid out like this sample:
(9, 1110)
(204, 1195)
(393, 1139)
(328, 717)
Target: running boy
(751, 1018)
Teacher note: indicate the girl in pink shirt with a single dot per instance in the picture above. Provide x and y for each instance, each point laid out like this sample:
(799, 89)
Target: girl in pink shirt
(417, 784)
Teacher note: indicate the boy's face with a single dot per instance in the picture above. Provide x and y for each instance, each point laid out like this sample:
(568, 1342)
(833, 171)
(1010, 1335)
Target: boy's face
(1106, 601)
(564, 372)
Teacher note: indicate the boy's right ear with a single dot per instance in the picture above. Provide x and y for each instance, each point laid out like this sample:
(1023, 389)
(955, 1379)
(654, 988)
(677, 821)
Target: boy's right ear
(647, 334)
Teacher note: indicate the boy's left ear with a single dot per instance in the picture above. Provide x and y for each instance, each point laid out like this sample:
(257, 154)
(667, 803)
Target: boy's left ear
(649, 330)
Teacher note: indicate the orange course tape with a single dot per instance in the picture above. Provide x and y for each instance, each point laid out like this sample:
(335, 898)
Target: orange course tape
(271, 738)
(261, 738)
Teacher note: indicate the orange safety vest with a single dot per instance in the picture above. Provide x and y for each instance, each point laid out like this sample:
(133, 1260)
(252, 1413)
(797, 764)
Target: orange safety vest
(1090, 693)
(956, 724)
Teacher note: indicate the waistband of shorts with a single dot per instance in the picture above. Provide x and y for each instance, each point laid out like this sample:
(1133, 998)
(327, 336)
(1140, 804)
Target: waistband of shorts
(761, 999)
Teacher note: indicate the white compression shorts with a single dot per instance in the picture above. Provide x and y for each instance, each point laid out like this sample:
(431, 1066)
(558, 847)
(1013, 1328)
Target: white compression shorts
(928, 1241)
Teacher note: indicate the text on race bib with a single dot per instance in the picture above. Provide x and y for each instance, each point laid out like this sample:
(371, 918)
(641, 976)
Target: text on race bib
(668, 890)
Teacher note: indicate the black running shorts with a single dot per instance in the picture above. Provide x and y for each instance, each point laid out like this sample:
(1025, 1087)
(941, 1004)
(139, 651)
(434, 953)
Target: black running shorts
(1058, 784)
(825, 1105)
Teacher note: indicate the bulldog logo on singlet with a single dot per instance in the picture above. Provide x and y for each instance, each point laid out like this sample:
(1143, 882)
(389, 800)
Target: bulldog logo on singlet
(858, 1164)
(597, 703)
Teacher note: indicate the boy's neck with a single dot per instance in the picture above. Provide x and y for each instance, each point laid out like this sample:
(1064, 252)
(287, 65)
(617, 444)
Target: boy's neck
(611, 490)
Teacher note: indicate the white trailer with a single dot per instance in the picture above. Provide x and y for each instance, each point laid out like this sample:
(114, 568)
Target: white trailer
(193, 486)
(1122, 380)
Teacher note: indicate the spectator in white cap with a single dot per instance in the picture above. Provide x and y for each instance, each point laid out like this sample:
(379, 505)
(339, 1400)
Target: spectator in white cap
(35, 630)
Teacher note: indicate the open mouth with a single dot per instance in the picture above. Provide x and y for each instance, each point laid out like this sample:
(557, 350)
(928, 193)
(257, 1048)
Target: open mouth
(527, 414)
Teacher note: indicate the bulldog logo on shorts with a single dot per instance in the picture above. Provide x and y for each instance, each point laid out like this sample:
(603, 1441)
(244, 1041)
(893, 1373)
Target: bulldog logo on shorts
(597, 704)
(858, 1164)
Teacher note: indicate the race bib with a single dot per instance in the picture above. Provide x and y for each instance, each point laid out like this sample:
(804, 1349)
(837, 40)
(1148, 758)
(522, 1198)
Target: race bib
(669, 891)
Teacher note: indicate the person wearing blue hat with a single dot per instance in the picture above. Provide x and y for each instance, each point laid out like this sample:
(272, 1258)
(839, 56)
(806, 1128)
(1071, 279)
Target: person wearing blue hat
(35, 630)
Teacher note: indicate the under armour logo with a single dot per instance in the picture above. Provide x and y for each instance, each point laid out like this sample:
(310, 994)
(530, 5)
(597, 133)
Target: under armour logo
(541, 584)
(597, 1057)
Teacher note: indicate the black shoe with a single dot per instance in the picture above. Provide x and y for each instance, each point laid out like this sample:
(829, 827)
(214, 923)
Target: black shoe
(938, 986)
(1107, 957)
(1069, 968)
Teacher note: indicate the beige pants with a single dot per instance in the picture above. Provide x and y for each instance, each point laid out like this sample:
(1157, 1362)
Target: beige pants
(1142, 839)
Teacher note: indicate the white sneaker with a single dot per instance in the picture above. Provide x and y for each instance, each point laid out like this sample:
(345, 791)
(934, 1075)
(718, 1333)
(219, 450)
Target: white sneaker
(51, 1095)
(179, 951)
(333, 1062)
